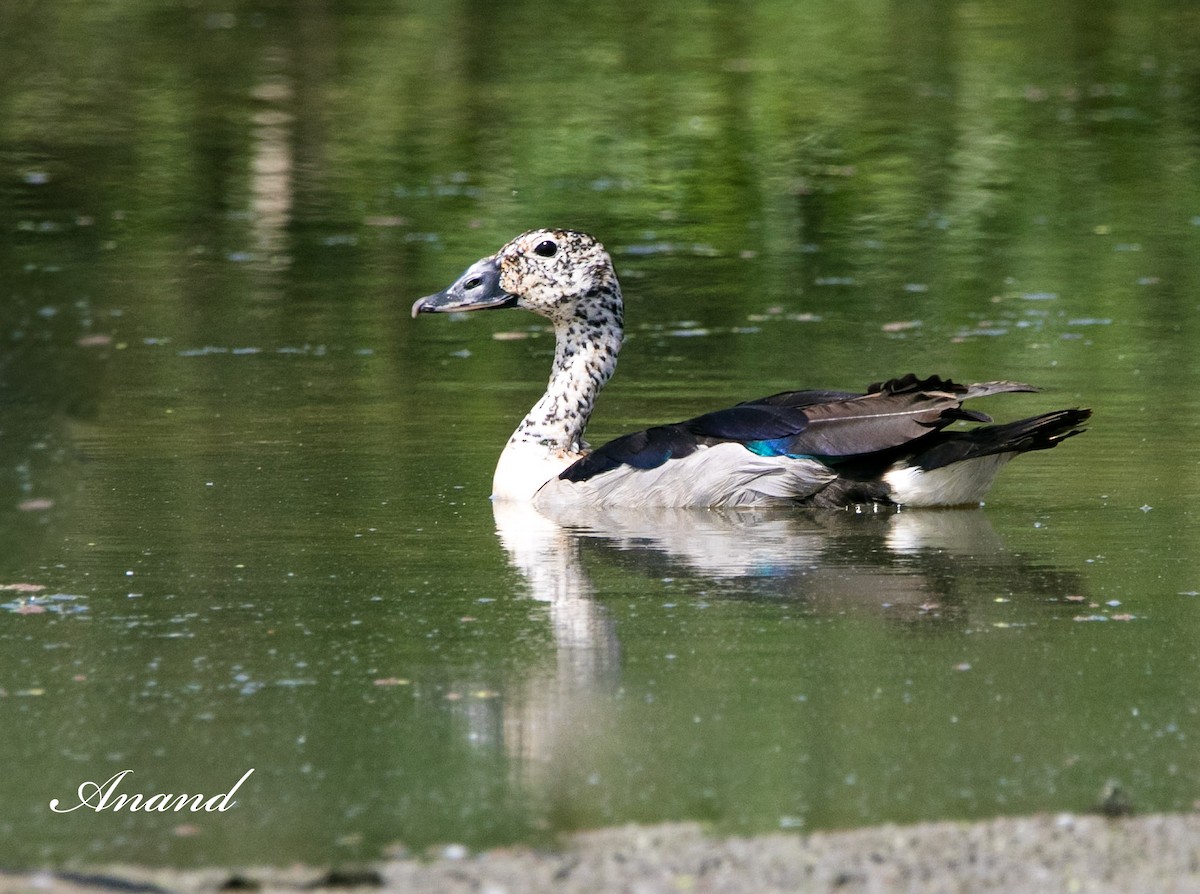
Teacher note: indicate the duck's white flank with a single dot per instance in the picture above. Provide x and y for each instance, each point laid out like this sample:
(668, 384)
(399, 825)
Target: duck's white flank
(723, 475)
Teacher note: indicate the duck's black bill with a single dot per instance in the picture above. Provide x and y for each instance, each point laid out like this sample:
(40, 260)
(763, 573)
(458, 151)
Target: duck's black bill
(477, 289)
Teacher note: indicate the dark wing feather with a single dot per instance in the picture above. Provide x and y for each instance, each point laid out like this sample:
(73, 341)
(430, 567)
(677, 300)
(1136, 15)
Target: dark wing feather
(893, 414)
(748, 422)
(647, 449)
(875, 422)
(800, 399)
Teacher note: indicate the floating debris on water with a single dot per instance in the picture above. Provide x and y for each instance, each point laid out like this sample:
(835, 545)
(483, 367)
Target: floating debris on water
(981, 333)
(251, 350)
(661, 247)
(604, 184)
(54, 603)
(385, 220)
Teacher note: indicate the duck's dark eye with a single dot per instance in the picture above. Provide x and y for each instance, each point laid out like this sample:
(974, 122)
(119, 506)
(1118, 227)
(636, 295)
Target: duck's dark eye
(546, 249)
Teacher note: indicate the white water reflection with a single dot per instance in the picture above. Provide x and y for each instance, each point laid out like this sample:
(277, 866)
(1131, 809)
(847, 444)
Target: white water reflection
(272, 176)
(557, 699)
(771, 542)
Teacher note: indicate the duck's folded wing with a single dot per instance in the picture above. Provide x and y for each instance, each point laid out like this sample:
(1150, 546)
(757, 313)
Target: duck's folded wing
(870, 424)
(892, 414)
(813, 424)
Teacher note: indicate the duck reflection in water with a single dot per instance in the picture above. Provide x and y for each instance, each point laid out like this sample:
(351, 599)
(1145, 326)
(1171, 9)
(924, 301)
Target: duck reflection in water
(921, 570)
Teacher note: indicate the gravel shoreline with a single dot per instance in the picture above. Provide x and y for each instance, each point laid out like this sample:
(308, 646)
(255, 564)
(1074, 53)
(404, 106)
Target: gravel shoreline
(1063, 853)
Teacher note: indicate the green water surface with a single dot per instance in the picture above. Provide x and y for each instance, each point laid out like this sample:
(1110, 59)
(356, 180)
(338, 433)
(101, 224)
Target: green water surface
(243, 496)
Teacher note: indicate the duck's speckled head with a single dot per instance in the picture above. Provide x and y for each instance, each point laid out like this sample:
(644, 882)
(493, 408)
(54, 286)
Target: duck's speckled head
(546, 271)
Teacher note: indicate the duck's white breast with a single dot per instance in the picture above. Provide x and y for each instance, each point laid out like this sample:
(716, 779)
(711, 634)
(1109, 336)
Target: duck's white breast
(524, 467)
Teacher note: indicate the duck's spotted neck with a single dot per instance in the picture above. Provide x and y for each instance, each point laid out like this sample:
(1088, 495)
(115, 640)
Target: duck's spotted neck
(585, 355)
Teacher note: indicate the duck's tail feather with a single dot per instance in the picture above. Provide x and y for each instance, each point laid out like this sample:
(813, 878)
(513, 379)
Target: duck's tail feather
(1035, 433)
